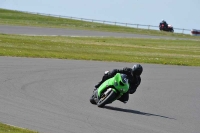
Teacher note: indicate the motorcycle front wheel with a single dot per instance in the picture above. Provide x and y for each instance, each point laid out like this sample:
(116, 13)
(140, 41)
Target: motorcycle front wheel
(92, 101)
(106, 98)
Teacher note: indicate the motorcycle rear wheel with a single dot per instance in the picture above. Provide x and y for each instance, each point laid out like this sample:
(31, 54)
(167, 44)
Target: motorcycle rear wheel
(106, 99)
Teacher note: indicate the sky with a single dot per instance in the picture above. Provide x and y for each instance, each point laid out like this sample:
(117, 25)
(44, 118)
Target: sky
(183, 14)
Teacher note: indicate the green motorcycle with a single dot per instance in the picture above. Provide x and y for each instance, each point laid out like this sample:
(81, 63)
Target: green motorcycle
(110, 90)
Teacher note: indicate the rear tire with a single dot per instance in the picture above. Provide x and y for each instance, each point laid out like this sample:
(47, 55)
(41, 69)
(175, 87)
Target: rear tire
(107, 99)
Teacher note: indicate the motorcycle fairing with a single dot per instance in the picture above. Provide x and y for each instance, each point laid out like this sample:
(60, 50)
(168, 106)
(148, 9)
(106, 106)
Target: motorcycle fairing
(118, 83)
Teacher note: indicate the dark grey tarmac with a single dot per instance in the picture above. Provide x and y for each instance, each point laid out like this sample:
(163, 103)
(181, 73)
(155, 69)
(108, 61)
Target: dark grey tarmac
(25, 30)
(52, 96)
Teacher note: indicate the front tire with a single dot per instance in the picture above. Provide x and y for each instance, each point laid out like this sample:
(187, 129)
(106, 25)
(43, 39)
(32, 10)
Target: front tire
(92, 101)
(106, 99)
(93, 97)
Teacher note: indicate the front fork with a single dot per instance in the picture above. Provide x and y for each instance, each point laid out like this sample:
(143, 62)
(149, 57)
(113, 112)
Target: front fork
(106, 93)
(96, 97)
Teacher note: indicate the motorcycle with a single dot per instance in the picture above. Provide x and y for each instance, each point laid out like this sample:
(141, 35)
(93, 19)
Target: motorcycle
(195, 32)
(168, 28)
(110, 90)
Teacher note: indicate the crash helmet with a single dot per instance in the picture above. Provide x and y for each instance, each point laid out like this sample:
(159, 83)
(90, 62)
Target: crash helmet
(163, 21)
(137, 69)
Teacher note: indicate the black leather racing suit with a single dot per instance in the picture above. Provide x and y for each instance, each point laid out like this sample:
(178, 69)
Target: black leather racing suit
(165, 25)
(134, 81)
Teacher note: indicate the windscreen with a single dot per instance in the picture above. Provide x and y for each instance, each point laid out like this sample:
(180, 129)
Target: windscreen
(124, 78)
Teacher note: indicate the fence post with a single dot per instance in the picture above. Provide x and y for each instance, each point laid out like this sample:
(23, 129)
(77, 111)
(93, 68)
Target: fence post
(183, 31)
(115, 23)
(126, 24)
(148, 27)
(137, 25)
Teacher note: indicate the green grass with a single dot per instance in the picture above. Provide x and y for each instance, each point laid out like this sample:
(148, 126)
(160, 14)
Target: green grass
(9, 17)
(158, 51)
(11, 129)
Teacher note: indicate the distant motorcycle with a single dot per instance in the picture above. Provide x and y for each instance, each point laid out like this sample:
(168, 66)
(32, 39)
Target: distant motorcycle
(169, 28)
(195, 32)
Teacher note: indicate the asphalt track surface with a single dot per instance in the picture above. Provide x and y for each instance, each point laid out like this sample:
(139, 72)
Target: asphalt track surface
(25, 30)
(52, 96)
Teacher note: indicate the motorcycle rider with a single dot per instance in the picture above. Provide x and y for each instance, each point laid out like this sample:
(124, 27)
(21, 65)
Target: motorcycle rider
(134, 79)
(163, 22)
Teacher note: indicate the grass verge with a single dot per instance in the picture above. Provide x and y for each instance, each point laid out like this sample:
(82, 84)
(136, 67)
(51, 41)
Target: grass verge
(11, 129)
(157, 51)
